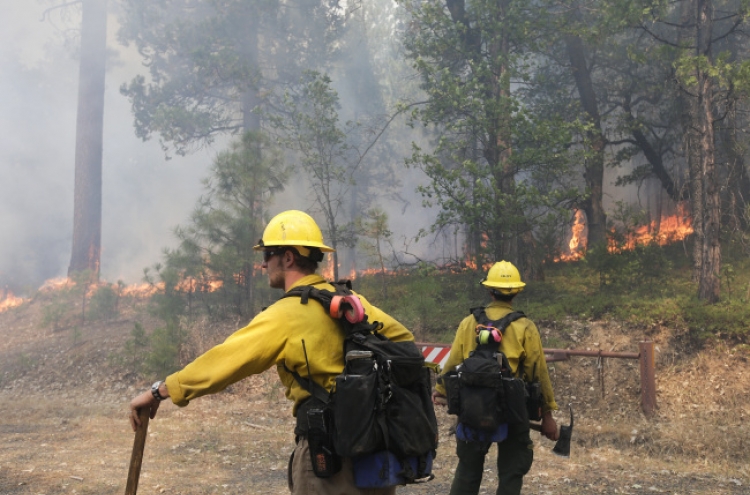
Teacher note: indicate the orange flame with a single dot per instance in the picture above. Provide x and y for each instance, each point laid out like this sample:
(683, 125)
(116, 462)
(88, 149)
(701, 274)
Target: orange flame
(10, 301)
(328, 272)
(141, 290)
(665, 231)
(578, 242)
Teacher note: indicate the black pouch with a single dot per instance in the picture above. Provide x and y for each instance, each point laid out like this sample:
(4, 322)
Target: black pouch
(412, 425)
(534, 401)
(325, 461)
(482, 401)
(516, 411)
(452, 392)
(354, 406)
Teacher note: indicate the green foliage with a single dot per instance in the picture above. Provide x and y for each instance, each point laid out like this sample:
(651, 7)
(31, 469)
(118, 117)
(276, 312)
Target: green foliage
(310, 127)
(103, 303)
(169, 304)
(374, 235)
(155, 354)
(164, 348)
(626, 261)
(54, 314)
(432, 302)
(727, 319)
(496, 165)
(214, 265)
(134, 352)
(428, 301)
(209, 60)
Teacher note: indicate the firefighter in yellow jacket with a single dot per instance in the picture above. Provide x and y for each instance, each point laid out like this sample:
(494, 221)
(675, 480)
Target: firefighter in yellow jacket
(520, 343)
(292, 245)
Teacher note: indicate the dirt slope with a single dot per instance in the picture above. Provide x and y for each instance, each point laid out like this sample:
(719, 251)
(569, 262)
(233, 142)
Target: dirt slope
(64, 428)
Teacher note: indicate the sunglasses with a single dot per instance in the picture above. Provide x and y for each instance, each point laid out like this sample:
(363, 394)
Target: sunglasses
(269, 253)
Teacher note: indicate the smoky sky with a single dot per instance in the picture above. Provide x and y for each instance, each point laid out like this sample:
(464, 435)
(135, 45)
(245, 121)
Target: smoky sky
(144, 195)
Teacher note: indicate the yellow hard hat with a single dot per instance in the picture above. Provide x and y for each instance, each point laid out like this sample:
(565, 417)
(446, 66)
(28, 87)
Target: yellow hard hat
(296, 229)
(505, 278)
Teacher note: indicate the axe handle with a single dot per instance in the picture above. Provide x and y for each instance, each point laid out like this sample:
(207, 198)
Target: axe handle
(535, 426)
(136, 458)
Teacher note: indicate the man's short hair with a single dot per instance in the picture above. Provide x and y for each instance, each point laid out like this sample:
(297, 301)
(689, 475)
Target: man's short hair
(305, 265)
(499, 296)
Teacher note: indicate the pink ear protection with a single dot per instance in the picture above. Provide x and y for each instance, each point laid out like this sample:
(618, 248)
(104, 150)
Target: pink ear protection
(355, 312)
(349, 307)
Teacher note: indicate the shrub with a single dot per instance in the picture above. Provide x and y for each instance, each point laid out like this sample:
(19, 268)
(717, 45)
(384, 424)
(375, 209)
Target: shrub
(103, 305)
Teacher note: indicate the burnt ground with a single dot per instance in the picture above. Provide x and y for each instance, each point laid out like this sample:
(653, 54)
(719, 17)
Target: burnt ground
(64, 429)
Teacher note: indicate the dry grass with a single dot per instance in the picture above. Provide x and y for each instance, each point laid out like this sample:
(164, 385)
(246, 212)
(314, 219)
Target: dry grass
(64, 421)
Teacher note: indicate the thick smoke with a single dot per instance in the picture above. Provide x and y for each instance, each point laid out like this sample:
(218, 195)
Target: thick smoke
(144, 195)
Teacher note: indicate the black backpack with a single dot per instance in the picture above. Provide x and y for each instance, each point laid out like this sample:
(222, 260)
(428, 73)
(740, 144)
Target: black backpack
(534, 398)
(482, 391)
(382, 398)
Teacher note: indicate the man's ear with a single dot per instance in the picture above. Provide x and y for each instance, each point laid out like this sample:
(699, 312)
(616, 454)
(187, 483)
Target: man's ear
(288, 259)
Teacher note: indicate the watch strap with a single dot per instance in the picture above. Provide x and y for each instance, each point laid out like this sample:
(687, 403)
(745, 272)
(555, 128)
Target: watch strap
(155, 391)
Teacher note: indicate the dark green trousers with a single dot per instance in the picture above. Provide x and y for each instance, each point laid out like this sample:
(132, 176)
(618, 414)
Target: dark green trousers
(514, 457)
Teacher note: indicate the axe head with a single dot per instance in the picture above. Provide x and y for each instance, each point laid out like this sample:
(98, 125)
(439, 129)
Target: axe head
(562, 447)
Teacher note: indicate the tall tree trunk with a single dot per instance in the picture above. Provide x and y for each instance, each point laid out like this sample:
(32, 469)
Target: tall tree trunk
(594, 172)
(708, 285)
(687, 107)
(87, 210)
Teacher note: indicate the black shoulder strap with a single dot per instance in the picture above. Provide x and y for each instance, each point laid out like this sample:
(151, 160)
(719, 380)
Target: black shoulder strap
(312, 387)
(502, 324)
(324, 297)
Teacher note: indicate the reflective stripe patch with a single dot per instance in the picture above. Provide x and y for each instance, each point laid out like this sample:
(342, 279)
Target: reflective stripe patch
(436, 353)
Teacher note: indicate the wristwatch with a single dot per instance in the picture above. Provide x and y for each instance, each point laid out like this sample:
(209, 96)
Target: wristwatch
(155, 391)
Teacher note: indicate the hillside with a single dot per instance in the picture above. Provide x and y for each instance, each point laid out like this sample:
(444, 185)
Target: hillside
(64, 398)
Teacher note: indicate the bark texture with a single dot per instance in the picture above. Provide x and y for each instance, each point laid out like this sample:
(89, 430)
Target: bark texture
(87, 210)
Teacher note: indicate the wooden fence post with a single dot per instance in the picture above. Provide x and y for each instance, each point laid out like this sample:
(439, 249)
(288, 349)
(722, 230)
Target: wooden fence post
(648, 377)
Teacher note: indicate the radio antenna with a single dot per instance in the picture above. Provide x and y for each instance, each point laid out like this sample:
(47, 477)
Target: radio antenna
(307, 363)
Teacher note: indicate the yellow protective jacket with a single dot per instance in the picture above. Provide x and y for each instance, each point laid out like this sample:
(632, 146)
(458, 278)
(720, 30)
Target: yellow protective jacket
(274, 337)
(521, 341)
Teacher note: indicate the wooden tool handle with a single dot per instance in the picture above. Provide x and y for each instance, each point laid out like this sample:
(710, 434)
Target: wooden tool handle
(136, 457)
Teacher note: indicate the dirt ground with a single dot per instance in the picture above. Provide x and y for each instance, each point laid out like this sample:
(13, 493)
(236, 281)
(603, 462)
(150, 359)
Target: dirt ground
(64, 425)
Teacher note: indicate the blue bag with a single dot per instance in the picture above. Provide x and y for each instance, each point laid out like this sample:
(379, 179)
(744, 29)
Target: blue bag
(469, 434)
(383, 469)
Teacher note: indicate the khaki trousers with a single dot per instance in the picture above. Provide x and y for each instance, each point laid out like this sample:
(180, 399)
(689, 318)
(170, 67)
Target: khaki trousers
(302, 479)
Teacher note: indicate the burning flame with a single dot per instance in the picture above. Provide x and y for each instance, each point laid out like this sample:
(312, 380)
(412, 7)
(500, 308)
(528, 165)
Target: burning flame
(143, 290)
(327, 272)
(663, 231)
(10, 301)
(578, 241)
(471, 264)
